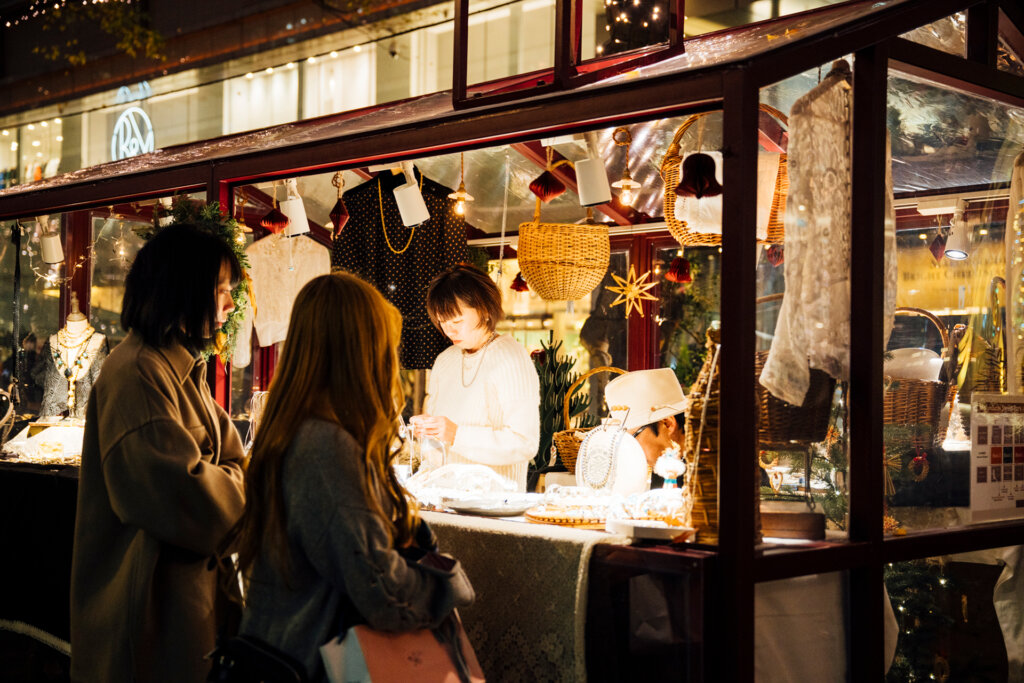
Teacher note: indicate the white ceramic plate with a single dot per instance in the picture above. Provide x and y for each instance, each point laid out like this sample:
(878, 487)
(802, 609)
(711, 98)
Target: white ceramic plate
(649, 530)
(508, 505)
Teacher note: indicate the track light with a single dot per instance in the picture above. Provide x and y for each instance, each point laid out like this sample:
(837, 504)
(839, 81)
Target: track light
(958, 244)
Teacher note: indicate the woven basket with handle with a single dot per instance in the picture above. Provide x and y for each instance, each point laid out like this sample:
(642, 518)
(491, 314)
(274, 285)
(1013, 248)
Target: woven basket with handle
(670, 169)
(917, 401)
(782, 425)
(567, 442)
(563, 261)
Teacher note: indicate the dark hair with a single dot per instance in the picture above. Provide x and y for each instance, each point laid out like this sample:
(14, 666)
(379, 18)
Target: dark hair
(656, 426)
(170, 291)
(470, 286)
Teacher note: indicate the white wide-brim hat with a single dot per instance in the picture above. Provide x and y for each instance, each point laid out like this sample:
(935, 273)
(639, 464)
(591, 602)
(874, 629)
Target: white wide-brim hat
(647, 395)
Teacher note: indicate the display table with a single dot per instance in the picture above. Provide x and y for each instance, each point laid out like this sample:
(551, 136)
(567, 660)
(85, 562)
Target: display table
(528, 622)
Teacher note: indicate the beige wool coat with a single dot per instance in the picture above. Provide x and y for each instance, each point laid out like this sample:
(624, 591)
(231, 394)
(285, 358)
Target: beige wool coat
(160, 486)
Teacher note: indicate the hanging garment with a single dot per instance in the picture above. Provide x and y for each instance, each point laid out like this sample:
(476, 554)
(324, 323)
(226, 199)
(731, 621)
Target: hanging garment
(813, 330)
(1014, 272)
(401, 261)
(279, 267)
(56, 384)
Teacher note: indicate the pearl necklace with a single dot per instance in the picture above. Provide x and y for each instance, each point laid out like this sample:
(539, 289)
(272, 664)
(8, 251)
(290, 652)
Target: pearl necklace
(483, 352)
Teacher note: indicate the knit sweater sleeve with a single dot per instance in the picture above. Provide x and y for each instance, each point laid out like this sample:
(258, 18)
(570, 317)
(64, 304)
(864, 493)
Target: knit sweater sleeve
(347, 543)
(513, 381)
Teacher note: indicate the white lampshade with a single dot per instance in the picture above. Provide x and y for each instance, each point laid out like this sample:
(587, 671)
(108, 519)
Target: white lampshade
(53, 250)
(410, 204)
(295, 210)
(592, 182)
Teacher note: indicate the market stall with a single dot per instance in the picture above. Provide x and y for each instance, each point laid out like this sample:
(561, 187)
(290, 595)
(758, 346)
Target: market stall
(726, 256)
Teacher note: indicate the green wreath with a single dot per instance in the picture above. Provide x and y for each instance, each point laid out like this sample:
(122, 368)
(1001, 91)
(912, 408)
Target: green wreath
(209, 217)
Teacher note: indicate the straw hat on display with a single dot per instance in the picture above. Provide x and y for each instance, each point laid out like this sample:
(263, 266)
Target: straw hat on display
(648, 395)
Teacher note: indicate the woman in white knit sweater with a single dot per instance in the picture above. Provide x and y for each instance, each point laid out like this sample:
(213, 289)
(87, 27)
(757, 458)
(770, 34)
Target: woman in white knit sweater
(483, 395)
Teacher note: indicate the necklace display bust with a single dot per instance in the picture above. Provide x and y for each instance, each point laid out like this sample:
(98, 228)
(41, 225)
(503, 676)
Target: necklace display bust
(70, 364)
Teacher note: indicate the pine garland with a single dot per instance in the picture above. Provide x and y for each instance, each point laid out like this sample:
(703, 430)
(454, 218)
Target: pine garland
(208, 216)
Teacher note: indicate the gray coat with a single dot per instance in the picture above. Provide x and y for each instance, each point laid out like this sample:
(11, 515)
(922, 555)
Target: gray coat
(338, 548)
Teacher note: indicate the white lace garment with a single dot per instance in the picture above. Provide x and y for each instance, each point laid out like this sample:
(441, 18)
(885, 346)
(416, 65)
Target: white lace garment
(813, 330)
(279, 267)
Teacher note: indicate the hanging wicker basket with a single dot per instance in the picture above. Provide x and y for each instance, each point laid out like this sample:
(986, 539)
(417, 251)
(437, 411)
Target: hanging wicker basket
(563, 261)
(782, 425)
(670, 169)
(917, 402)
(567, 442)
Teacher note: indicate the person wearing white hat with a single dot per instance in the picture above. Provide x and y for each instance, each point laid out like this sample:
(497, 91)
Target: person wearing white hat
(649, 402)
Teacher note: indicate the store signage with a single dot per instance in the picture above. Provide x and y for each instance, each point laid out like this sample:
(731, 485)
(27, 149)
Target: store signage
(133, 134)
(125, 94)
(997, 456)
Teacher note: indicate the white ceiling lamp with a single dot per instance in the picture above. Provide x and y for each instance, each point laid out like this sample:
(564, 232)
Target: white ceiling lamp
(294, 209)
(409, 199)
(591, 177)
(958, 244)
(51, 246)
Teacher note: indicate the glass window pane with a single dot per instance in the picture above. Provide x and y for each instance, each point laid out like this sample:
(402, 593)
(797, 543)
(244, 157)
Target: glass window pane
(947, 34)
(955, 333)
(803, 305)
(39, 310)
(510, 40)
(801, 629)
(958, 617)
(1008, 59)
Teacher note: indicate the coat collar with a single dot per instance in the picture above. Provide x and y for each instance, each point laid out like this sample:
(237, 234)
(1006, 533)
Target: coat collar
(177, 356)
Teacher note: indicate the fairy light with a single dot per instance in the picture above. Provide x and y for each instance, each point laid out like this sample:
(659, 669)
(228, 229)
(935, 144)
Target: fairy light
(39, 8)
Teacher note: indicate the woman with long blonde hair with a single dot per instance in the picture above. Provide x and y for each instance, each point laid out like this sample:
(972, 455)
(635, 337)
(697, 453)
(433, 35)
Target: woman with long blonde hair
(326, 521)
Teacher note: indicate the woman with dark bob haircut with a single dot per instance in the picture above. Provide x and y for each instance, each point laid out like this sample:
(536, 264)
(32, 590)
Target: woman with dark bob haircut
(161, 477)
(483, 394)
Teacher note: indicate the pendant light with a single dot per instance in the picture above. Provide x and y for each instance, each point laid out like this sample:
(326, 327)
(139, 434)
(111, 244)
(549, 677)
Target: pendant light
(295, 209)
(628, 188)
(591, 177)
(52, 248)
(461, 196)
(339, 214)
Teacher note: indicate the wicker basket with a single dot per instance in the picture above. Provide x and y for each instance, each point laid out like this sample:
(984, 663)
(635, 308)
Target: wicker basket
(781, 425)
(567, 442)
(670, 166)
(700, 446)
(563, 261)
(917, 401)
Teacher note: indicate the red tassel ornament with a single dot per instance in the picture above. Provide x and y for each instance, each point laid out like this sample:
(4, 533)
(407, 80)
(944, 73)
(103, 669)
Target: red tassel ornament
(698, 178)
(679, 271)
(339, 216)
(275, 221)
(519, 284)
(547, 186)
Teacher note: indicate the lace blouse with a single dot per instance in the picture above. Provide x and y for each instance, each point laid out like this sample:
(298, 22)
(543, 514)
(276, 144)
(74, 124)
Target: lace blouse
(813, 330)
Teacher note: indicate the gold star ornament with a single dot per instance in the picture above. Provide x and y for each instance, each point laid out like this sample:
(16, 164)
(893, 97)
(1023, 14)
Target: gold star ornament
(632, 291)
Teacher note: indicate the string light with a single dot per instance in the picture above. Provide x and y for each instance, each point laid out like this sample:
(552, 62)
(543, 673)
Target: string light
(39, 8)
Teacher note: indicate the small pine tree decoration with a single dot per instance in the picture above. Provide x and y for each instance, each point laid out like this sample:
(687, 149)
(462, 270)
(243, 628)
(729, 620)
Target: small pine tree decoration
(556, 376)
(209, 217)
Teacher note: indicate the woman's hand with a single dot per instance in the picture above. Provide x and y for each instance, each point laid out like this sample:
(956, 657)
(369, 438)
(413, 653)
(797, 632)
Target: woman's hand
(434, 426)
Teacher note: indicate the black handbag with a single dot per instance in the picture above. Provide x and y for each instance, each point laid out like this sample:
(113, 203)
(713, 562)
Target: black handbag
(244, 659)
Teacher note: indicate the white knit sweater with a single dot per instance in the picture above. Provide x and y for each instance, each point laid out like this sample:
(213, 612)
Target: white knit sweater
(498, 414)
